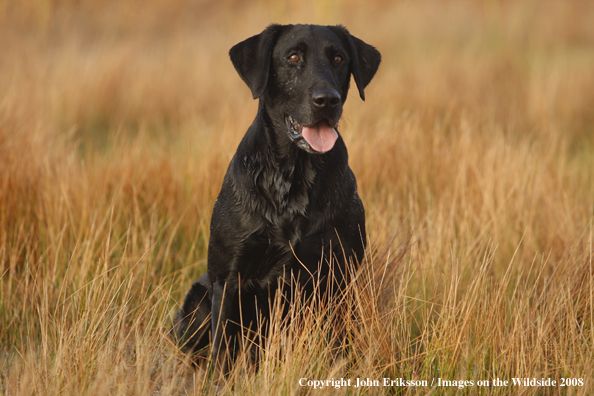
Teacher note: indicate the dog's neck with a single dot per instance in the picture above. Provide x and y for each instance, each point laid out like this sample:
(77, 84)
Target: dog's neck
(283, 173)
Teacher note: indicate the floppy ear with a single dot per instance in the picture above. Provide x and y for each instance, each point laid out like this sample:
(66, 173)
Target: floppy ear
(251, 59)
(365, 59)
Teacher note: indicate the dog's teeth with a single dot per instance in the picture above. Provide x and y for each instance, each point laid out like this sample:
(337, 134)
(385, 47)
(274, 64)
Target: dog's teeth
(294, 125)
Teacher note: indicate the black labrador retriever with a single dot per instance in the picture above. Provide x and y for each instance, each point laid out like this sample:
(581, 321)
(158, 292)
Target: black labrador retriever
(288, 212)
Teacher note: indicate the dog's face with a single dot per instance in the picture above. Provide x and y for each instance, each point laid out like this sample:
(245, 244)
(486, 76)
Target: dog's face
(302, 73)
(310, 77)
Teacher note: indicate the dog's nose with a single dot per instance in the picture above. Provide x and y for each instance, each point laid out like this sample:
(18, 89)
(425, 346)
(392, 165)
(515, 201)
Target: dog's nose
(325, 98)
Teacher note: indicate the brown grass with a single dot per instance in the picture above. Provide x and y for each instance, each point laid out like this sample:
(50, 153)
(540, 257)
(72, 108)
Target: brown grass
(474, 148)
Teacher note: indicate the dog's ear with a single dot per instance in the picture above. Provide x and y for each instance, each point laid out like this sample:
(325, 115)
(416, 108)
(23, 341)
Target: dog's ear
(365, 59)
(251, 58)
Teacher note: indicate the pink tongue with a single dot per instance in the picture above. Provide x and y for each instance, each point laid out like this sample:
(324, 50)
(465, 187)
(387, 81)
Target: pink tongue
(321, 136)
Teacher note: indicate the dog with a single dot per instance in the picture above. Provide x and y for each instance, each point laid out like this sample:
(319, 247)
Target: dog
(288, 212)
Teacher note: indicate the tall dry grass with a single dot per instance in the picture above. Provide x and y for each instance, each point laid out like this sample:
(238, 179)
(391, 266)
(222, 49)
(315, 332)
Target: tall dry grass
(474, 148)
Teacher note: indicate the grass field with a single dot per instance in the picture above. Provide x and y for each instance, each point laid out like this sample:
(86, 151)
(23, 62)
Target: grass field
(474, 154)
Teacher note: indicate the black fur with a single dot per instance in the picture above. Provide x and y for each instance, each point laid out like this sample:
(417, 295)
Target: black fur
(283, 209)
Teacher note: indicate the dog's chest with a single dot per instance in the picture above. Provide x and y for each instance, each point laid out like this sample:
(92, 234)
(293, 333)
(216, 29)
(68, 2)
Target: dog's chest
(280, 192)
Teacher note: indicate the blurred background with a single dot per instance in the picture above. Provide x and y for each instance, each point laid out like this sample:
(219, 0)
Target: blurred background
(118, 120)
(142, 95)
(101, 65)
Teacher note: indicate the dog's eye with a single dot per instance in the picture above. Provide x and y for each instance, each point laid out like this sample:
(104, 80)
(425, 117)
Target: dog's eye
(338, 59)
(294, 58)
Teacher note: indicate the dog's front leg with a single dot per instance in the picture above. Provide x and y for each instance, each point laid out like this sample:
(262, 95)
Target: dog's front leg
(225, 326)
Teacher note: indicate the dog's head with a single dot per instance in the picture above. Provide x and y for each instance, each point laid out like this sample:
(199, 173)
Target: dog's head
(302, 73)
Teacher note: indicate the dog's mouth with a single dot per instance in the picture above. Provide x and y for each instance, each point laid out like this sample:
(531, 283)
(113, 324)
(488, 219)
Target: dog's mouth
(319, 137)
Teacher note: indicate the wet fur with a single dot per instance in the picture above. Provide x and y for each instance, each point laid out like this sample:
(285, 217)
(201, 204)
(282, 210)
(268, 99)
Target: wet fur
(283, 210)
